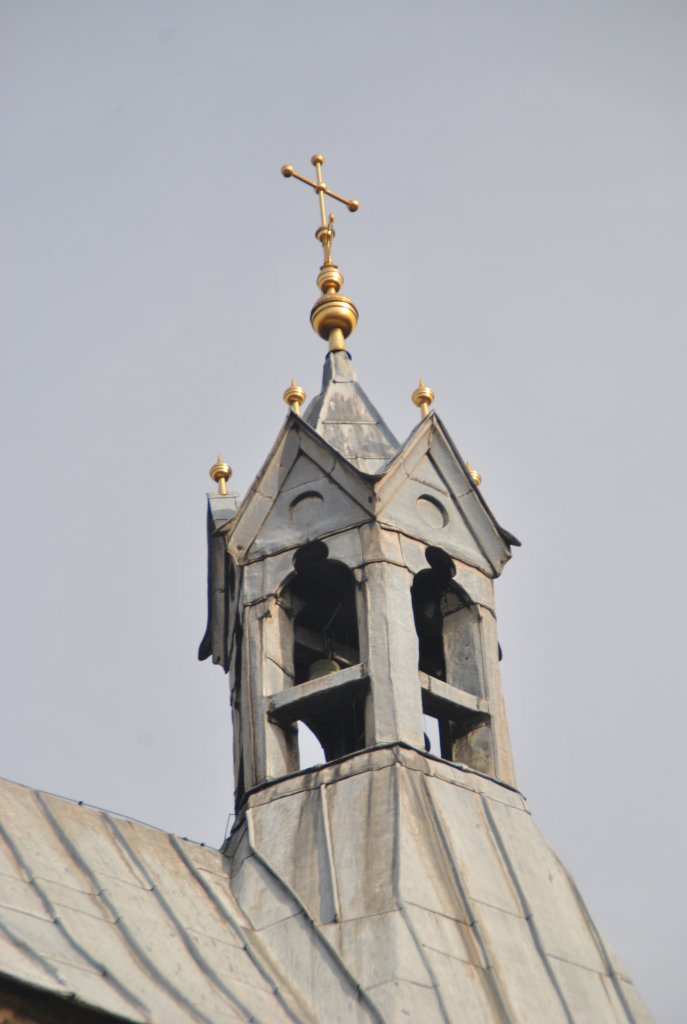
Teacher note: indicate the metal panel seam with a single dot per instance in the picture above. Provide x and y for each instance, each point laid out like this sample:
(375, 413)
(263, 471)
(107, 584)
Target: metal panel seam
(138, 954)
(401, 903)
(527, 912)
(191, 947)
(223, 912)
(456, 502)
(110, 979)
(330, 852)
(601, 945)
(362, 995)
(46, 965)
(490, 974)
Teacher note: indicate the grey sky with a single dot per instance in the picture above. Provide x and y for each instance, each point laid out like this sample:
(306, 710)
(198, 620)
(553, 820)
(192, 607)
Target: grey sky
(521, 169)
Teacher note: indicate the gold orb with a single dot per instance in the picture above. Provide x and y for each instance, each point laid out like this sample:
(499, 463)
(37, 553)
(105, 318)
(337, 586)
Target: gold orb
(353, 205)
(333, 311)
(316, 159)
(287, 170)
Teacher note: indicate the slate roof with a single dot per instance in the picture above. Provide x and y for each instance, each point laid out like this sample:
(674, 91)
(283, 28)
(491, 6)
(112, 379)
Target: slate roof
(388, 885)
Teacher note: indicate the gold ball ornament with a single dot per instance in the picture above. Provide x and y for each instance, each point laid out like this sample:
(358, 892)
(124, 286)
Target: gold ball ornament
(294, 396)
(220, 472)
(423, 397)
(475, 475)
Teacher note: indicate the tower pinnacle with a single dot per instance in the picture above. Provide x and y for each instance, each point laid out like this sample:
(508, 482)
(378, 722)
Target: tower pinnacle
(333, 316)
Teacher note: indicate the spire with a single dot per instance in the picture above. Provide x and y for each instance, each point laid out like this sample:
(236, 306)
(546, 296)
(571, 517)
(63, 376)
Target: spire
(342, 413)
(333, 316)
(346, 418)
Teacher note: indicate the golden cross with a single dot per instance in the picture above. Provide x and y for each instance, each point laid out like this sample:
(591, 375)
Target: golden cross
(325, 232)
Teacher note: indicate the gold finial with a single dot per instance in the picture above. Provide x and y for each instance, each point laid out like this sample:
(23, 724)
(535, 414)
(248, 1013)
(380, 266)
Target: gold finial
(333, 316)
(423, 397)
(220, 473)
(294, 396)
(474, 474)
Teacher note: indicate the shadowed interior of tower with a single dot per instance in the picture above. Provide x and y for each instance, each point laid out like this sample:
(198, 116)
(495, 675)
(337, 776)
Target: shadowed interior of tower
(325, 617)
(321, 598)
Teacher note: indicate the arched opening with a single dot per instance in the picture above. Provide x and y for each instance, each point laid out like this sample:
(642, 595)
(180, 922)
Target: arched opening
(325, 620)
(435, 597)
(447, 623)
(322, 601)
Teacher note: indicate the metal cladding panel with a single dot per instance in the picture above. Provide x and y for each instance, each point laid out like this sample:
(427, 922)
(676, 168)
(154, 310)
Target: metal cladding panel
(262, 895)
(585, 991)
(301, 857)
(389, 885)
(464, 990)
(305, 514)
(117, 917)
(473, 851)
(435, 920)
(638, 1012)
(362, 813)
(24, 965)
(523, 975)
(346, 418)
(382, 948)
(404, 1001)
(443, 933)
(434, 518)
(432, 887)
(304, 471)
(316, 976)
(545, 890)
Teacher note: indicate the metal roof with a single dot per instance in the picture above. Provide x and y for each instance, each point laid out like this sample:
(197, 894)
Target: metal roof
(345, 417)
(389, 885)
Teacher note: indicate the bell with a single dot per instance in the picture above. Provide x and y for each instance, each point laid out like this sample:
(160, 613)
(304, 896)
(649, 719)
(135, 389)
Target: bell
(323, 667)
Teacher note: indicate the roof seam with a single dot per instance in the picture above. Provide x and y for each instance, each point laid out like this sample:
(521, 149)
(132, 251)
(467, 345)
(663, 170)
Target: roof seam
(528, 914)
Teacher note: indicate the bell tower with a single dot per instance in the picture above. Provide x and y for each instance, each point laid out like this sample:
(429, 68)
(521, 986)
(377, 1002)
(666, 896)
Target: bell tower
(351, 590)
(351, 594)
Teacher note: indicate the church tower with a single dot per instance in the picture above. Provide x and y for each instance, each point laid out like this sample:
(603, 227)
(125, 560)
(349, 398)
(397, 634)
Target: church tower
(351, 596)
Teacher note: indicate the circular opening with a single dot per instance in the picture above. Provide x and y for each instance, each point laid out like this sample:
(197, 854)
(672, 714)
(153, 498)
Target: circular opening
(306, 507)
(432, 512)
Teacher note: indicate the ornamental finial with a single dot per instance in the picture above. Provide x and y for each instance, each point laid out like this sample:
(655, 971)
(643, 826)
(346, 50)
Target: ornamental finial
(423, 397)
(295, 396)
(333, 316)
(475, 475)
(220, 472)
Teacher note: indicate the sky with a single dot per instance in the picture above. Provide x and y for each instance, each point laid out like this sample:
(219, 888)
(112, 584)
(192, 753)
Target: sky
(520, 244)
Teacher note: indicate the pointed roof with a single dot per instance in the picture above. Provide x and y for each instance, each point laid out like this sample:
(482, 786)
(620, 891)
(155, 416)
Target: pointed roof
(346, 418)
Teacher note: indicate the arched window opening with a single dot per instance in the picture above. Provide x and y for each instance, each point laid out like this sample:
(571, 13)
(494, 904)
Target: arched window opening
(320, 601)
(338, 730)
(436, 598)
(325, 616)
(447, 623)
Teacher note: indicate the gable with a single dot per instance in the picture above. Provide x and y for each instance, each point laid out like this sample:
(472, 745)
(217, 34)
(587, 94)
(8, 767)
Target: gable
(310, 505)
(304, 491)
(429, 494)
